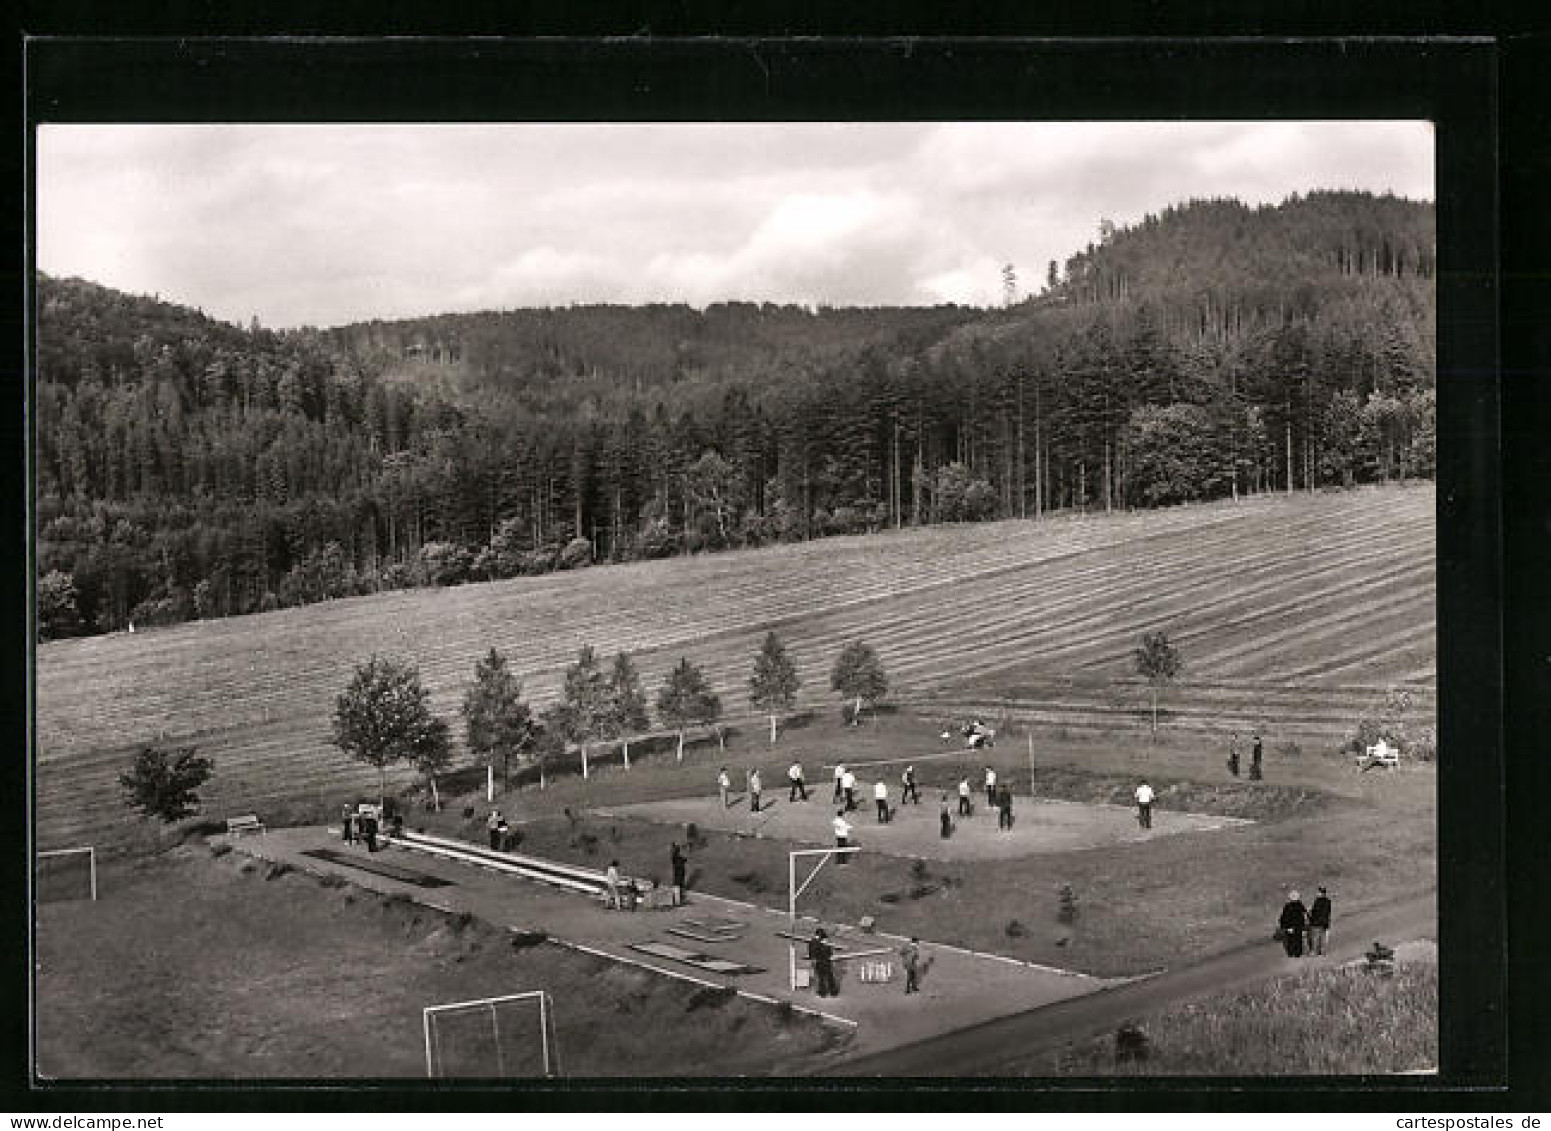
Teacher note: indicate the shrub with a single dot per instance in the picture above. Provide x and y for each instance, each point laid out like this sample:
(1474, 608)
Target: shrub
(1015, 929)
(522, 940)
(577, 554)
(165, 783)
(710, 997)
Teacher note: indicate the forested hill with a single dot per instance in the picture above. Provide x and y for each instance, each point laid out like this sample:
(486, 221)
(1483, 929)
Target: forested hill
(187, 467)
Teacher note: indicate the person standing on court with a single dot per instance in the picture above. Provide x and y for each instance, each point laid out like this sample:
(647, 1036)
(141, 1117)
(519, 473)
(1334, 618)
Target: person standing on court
(946, 821)
(910, 958)
(1319, 922)
(880, 797)
(1144, 797)
(990, 788)
(1293, 922)
(1233, 754)
(1254, 759)
(493, 826)
(616, 902)
(347, 833)
(910, 794)
(797, 786)
(1004, 807)
(822, 955)
(964, 807)
(840, 774)
(848, 787)
(842, 834)
(679, 865)
(724, 786)
(756, 787)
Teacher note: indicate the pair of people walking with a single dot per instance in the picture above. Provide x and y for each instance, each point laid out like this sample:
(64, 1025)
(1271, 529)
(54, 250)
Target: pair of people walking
(1299, 924)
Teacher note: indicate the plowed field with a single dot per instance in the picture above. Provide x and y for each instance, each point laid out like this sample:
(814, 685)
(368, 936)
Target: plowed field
(1297, 611)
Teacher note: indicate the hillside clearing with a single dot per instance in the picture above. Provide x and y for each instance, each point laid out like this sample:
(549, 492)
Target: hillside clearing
(1335, 588)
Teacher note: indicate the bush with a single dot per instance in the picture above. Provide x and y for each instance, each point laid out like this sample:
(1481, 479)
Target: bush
(1015, 929)
(164, 783)
(577, 554)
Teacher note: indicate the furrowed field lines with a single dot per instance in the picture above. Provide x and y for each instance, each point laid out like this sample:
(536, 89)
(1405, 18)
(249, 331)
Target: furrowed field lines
(1294, 610)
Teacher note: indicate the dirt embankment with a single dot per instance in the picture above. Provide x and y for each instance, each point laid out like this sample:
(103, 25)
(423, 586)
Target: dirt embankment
(202, 967)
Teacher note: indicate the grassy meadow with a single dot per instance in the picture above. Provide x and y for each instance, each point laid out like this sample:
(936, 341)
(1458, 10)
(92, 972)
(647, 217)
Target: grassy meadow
(1292, 614)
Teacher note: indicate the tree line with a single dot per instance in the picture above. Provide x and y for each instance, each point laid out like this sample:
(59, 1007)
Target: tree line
(384, 717)
(188, 468)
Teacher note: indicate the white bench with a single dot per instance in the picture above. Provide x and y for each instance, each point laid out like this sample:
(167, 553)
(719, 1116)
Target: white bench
(247, 823)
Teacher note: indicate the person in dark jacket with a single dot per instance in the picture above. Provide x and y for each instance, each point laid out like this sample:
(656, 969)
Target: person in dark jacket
(679, 865)
(822, 955)
(1292, 924)
(1004, 806)
(1319, 922)
(945, 820)
(1233, 755)
(1255, 751)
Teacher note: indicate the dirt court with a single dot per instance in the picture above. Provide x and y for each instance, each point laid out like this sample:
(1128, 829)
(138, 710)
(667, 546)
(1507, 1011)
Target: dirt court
(1039, 826)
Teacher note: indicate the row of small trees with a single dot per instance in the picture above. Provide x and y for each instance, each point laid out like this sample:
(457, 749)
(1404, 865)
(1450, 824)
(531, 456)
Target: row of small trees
(384, 715)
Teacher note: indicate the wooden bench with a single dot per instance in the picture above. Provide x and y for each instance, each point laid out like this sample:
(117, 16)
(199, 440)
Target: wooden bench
(247, 823)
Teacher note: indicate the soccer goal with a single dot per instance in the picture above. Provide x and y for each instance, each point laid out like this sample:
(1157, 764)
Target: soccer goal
(493, 1037)
(794, 890)
(66, 873)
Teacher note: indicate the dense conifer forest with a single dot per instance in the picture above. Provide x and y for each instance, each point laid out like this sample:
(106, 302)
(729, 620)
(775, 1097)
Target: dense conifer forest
(186, 467)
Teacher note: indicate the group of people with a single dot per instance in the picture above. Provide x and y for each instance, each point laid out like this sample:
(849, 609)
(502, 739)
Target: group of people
(821, 954)
(1256, 751)
(998, 795)
(621, 894)
(1300, 926)
(361, 825)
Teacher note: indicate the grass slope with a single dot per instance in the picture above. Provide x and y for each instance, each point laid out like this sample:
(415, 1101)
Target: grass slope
(1319, 1021)
(252, 974)
(1292, 611)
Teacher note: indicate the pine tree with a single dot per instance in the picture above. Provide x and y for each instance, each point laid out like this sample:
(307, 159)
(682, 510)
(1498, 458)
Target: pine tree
(500, 724)
(859, 675)
(1158, 662)
(686, 699)
(626, 712)
(773, 686)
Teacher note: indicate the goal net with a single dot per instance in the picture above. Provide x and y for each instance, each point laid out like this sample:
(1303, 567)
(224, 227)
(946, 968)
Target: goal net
(65, 873)
(495, 1037)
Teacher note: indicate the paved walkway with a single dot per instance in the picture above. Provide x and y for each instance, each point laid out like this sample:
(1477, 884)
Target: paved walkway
(985, 1048)
(959, 988)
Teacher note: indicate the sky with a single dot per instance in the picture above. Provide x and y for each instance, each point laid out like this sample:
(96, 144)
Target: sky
(327, 224)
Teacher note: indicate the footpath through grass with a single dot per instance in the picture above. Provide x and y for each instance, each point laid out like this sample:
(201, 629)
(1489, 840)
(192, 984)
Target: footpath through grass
(1141, 907)
(198, 967)
(1319, 1021)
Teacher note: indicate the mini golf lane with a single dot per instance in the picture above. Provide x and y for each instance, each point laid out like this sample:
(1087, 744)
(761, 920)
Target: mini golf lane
(1038, 825)
(958, 988)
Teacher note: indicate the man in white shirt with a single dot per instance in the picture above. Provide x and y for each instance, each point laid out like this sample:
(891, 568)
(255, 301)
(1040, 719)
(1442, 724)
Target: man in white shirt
(1144, 805)
(848, 787)
(756, 787)
(840, 773)
(724, 786)
(611, 879)
(880, 797)
(964, 806)
(842, 833)
(990, 788)
(798, 786)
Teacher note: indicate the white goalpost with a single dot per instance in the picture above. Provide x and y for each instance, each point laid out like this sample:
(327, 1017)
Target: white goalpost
(793, 890)
(69, 861)
(469, 1038)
